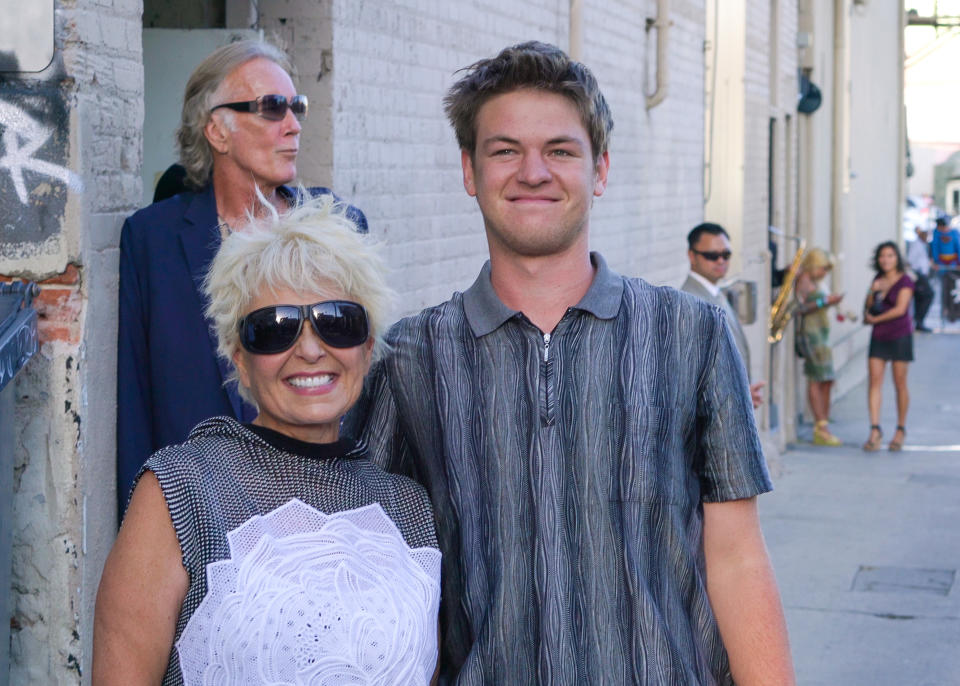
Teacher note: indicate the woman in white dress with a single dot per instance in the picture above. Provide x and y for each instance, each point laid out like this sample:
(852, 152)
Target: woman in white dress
(275, 552)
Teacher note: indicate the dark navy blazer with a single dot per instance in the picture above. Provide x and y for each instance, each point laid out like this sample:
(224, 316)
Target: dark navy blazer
(169, 376)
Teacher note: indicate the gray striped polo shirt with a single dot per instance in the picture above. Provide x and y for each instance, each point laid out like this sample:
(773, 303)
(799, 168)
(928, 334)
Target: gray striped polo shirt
(567, 474)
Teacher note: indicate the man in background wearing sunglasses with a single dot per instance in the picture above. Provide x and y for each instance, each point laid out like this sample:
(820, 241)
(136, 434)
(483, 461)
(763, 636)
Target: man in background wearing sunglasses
(709, 252)
(238, 141)
(586, 439)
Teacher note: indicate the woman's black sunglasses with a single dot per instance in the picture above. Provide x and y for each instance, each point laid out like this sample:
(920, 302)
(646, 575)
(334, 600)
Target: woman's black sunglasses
(272, 107)
(274, 329)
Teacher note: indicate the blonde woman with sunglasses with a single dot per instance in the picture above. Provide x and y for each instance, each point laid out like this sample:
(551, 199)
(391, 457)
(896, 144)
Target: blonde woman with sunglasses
(274, 551)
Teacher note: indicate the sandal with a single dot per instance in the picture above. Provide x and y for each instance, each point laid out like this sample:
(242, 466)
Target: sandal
(895, 445)
(873, 444)
(822, 435)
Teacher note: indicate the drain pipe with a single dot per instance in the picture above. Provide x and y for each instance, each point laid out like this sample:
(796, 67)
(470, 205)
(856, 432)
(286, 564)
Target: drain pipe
(576, 30)
(662, 24)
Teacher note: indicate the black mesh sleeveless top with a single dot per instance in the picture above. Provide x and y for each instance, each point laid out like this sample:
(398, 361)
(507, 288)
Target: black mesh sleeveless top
(225, 473)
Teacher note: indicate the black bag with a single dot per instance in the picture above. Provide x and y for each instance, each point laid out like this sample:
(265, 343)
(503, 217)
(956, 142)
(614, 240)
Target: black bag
(877, 306)
(798, 348)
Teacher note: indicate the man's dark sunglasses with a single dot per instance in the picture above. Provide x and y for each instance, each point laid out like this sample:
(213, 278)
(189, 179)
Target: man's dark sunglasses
(272, 107)
(712, 255)
(274, 329)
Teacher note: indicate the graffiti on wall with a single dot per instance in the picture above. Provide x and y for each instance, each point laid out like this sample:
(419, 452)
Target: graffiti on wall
(22, 139)
(34, 156)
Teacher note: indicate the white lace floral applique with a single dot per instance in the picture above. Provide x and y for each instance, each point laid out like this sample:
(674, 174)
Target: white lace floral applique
(309, 598)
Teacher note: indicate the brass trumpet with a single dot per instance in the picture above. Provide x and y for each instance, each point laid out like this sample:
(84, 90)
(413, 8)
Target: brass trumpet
(783, 307)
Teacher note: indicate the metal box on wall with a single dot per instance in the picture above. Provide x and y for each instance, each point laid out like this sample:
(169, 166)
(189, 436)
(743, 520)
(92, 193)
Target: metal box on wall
(18, 343)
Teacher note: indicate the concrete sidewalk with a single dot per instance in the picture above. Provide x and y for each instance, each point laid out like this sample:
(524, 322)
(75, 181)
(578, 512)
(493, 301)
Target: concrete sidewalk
(866, 546)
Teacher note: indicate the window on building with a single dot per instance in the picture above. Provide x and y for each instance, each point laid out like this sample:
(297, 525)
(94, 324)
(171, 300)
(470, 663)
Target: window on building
(185, 14)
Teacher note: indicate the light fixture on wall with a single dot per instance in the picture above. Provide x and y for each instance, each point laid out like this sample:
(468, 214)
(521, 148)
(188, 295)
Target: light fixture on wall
(809, 97)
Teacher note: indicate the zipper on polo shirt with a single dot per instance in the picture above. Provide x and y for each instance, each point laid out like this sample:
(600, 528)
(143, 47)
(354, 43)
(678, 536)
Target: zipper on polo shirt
(547, 390)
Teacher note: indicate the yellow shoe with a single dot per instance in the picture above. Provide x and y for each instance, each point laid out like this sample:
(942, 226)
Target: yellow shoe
(822, 435)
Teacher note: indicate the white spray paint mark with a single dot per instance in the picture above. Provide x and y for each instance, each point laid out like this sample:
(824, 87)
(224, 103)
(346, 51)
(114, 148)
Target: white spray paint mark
(18, 125)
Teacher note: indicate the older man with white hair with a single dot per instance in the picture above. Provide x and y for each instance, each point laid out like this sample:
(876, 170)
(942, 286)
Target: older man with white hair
(238, 141)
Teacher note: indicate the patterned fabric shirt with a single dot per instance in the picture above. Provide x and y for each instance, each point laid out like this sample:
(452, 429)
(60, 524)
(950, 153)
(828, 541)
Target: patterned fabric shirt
(567, 474)
(226, 473)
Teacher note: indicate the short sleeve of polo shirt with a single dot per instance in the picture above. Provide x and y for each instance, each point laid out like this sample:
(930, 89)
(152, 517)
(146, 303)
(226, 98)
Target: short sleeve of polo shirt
(732, 465)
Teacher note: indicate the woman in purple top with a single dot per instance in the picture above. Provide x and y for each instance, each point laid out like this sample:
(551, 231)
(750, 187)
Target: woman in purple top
(888, 309)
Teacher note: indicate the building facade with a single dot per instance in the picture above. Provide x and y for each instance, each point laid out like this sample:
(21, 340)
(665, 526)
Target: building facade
(750, 167)
(852, 156)
(703, 93)
(932, 46)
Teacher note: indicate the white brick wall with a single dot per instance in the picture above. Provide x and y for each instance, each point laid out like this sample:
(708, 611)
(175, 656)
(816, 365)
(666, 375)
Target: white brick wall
(396, 157)
(757, 111)
(304, 29)
(394, 154)
(655, 193)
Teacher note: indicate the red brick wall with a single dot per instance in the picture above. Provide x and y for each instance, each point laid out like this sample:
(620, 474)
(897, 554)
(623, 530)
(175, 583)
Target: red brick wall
(59, 306)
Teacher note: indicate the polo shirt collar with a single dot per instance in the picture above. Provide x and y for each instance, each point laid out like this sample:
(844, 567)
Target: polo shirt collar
(485, 311)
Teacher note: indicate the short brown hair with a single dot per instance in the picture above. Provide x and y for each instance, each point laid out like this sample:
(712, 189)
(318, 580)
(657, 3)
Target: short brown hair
(532, 65)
